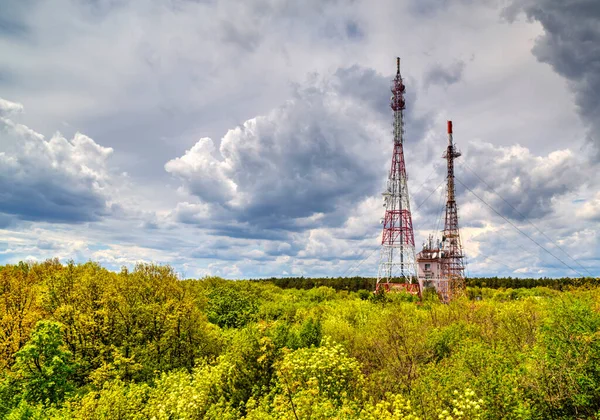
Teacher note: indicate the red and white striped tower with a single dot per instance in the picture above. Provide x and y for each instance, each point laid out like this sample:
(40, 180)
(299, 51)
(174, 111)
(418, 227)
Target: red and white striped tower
(397, 260)
(453, 269)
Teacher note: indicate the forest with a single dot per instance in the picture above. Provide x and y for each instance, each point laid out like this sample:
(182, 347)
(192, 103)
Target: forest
(78, 341)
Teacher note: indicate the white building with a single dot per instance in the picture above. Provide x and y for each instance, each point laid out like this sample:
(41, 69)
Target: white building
(429, 269)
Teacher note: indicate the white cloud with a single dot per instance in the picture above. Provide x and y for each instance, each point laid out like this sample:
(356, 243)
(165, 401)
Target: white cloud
(8, 107)
(289, 188)
(298, 166)
(56, 180)
(529, 184)
(207, 176)
(590, 209)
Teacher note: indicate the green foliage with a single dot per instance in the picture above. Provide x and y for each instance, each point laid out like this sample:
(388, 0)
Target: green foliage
(356, 284)
(464, 406)
(43, 365)
(327, 369)
(201, 394)
(429, 294)
(19, 309)
(26, 411)
(380, 297)
(10, 393)
(80, 342)
(230, 306)
(310, 333)
(116, 400)
(565, 368)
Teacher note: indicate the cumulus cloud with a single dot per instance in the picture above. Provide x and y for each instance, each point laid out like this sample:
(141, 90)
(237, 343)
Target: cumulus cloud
(56, 180)
(207, 177)
(186, 70)
(445, 76)
(8, 107)
(303, 164)
(530, 271)
(571, 45)
(590, 209)
(530, 184)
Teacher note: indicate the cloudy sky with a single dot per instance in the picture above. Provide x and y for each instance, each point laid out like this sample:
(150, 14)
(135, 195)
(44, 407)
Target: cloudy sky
(252, 138)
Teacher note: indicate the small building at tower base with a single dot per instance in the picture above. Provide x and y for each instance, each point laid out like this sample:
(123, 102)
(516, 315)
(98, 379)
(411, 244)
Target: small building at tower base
(429, 269)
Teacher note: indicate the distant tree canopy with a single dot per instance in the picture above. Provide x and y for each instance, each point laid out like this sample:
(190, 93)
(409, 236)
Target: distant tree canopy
(352, 284)
(355, 284)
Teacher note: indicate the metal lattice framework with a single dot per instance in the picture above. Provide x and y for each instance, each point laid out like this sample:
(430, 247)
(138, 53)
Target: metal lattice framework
(453, 269)
(397, 268)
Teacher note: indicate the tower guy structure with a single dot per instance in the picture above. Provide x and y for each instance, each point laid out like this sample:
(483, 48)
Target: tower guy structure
(397, 267)
(441, 264)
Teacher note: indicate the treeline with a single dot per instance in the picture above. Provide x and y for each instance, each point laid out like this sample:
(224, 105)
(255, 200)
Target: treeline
(355, 284)
(562, 283)
(78, 341)
(351, 284)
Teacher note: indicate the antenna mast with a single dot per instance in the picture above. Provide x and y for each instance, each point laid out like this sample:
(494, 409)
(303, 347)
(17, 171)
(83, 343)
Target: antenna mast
(453, 269)
(397, 259)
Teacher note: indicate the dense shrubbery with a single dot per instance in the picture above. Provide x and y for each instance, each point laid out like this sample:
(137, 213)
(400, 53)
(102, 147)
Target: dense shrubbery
(81, 342)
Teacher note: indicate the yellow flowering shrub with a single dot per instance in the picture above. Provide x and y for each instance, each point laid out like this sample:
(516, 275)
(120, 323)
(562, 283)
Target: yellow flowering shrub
(327, 370)
(116, 400)
(465, 406)
(180, 395)
(395, 407)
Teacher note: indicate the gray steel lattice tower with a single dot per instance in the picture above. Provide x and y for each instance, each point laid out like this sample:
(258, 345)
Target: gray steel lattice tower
(453, 269)
(397, 259)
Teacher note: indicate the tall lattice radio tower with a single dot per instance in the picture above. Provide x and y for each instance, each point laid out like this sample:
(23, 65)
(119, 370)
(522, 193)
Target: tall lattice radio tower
(397, 261)
(453, 268)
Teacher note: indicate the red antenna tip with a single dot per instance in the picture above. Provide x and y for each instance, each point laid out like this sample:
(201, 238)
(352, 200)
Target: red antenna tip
(449, 127)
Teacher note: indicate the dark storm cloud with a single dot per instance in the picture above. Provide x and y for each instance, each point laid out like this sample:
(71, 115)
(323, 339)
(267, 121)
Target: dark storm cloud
(13, 15)
(372, 89)
(302, 166)
(11, 28)
(571, 45)
(7, 221)
(440, 75)
(49, 200)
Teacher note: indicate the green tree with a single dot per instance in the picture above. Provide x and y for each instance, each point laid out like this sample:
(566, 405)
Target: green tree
(43, 365)
(19, 309)
(230, 306)
(26, 411)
